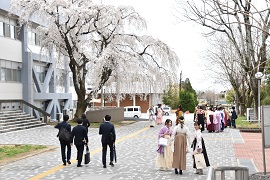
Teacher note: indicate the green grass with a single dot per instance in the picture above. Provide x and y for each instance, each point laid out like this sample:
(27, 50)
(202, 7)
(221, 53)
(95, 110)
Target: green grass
(245, 124)
(15, 150)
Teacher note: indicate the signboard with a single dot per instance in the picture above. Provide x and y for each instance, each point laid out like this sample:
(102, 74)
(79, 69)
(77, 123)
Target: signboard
(265, 110)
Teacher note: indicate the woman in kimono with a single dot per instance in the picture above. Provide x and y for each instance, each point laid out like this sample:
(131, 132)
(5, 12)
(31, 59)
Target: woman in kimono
(199, 147)
(217, 121)
(159, 114)
(210, 120)
(180, 146)
(178, 113)
(164, 156)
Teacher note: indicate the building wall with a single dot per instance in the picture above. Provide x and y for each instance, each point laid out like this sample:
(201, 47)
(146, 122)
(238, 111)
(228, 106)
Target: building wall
(128, 101)
(10, 91)
(10, 49)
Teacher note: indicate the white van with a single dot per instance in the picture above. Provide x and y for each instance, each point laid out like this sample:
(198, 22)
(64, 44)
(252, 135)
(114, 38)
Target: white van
(132, 111)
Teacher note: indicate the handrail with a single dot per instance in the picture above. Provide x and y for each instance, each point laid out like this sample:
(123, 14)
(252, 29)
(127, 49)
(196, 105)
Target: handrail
(241, 173)
(30, 105)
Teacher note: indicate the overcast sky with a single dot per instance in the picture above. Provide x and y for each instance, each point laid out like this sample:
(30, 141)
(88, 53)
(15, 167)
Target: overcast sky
(183, 37)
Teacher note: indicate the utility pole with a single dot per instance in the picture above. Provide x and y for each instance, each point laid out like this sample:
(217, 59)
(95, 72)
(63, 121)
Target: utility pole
(180, 84)
(180, 81)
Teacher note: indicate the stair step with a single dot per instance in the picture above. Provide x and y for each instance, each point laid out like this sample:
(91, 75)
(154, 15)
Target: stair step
(10, 112)
(19, 125)
(17, 120)
(21, 128)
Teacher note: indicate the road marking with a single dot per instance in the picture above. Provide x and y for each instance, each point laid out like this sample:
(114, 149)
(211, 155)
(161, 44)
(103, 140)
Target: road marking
(59, 167)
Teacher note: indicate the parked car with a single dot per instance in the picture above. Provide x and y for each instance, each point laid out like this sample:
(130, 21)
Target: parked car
(132, 111)
(167, 110)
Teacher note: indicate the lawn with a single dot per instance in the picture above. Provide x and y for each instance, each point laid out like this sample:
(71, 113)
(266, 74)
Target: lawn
(245, 124)
(13, 151)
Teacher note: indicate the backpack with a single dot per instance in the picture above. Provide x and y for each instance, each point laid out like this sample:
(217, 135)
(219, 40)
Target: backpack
(64, 134)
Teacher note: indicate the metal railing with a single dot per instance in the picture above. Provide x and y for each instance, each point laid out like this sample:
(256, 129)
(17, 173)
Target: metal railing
(241, 173)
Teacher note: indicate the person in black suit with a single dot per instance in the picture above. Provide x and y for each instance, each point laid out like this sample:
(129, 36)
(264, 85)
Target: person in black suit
(86, 122)
(108, 138)
(64, 144)
(79, 134)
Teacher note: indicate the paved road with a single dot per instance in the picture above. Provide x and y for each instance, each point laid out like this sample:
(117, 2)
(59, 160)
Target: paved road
(136, 152)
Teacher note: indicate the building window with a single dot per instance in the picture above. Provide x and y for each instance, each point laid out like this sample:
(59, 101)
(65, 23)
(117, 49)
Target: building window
(12, 32)
(8, 75)
(3, 74)
(7, 30)
(1, 29)
(10, 71)
(33, 37)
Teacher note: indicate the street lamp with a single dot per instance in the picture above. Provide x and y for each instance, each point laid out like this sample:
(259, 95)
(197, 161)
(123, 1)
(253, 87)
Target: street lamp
(259, 76)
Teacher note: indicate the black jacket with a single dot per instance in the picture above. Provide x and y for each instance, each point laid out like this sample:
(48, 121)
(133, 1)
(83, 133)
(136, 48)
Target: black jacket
(79, 133)
(105, 130)
(86, 123)
(234, 116)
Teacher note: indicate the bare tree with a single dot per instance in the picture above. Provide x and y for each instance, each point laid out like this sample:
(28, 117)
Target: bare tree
(225, 63)
(96, 35)
(244, 22)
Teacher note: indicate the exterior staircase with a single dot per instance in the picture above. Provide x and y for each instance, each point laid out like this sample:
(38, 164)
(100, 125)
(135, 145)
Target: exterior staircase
(17, 120)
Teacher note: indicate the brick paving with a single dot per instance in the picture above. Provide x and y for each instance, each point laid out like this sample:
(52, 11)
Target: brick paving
(252, 149)
(136, 153)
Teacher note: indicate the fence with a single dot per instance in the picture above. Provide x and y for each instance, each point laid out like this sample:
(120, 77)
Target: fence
(241, 173)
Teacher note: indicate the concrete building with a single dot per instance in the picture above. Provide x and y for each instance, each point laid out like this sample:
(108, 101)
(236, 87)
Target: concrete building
(27, 75)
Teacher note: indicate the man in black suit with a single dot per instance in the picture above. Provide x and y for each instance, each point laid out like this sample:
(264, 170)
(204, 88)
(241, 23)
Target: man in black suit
(79, 134)
(64, 144)
(108, 138)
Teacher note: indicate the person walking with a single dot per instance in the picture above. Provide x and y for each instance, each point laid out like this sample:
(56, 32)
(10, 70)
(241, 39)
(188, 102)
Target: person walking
(199, 147)
(65, 144)
(233, 117)
(159, 114)
(107, 139)
(151, 116)
(200, 117)
(80, 138)
(164, 153)
(180, 146)
(86, 122)
(178, 113)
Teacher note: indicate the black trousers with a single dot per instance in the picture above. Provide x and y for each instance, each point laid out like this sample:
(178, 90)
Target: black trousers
(233, 123)
(104, 152)
(63, 151)
(80, 149)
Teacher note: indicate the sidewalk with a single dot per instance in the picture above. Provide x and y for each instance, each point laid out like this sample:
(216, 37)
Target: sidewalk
(136, 152)
(251, 150)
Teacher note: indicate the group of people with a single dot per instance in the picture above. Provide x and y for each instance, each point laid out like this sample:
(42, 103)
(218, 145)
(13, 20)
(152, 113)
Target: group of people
(79, 136)
(215, 119)
(155, 116)
(179, 142)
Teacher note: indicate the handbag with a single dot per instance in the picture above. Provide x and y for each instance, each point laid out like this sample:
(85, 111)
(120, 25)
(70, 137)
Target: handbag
(199, 161)
(87, 156)
(163, 141)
